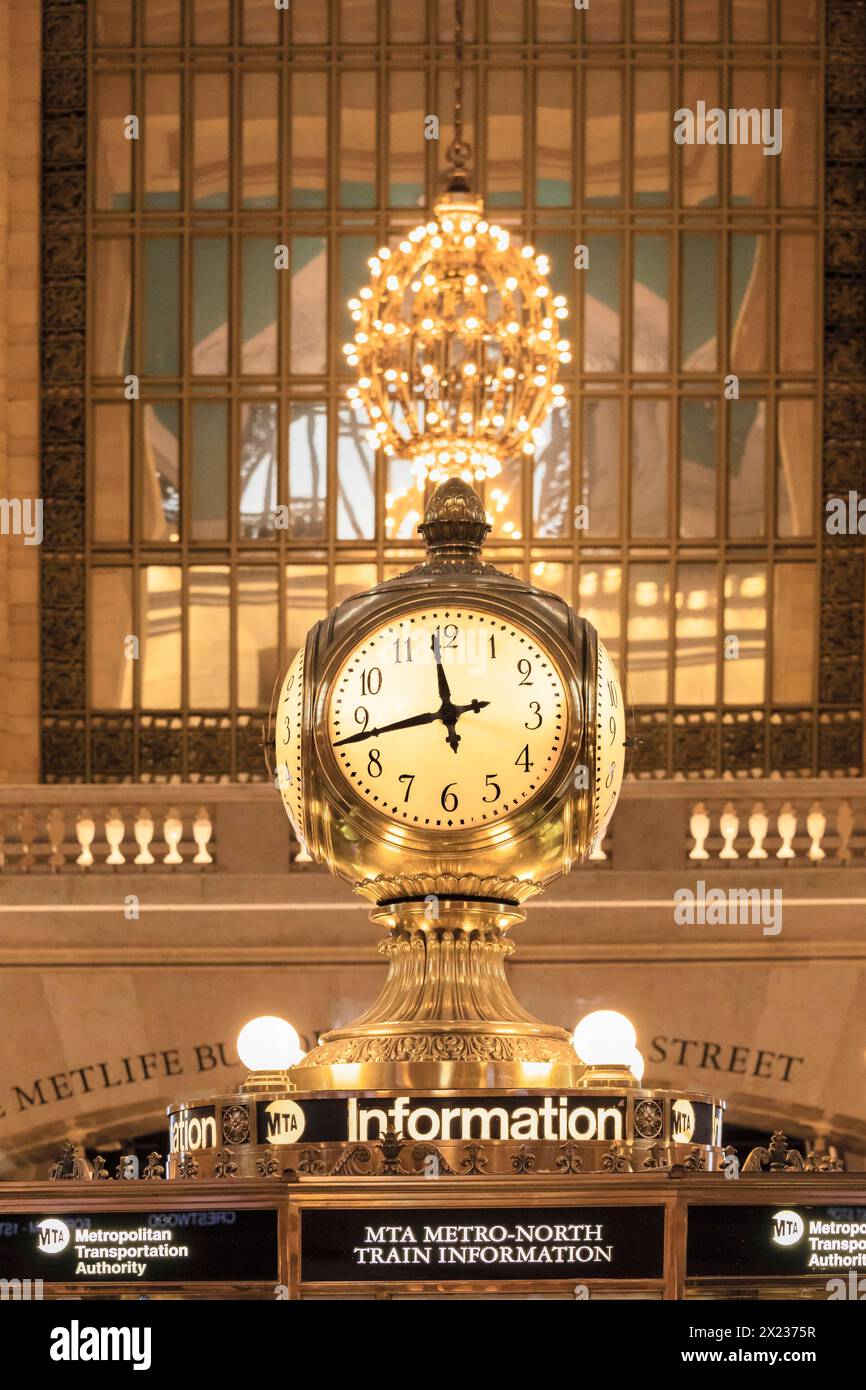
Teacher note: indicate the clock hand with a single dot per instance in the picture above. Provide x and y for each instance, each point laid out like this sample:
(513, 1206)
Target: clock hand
(413, 721)
(441, 678)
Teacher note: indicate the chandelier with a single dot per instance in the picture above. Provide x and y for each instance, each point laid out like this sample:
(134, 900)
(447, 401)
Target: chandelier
(457, 341)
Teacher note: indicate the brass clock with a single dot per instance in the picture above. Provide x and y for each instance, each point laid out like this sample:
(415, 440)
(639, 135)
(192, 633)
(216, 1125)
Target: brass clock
(451, 723)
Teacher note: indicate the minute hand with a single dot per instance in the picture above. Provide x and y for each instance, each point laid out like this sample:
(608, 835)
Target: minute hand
(411, 723)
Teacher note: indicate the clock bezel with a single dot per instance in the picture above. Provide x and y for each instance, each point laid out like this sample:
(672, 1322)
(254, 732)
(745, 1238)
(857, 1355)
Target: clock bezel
(578, 731)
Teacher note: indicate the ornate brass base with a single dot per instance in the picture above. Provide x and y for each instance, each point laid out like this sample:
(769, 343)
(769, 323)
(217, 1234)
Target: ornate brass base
(446, 1018)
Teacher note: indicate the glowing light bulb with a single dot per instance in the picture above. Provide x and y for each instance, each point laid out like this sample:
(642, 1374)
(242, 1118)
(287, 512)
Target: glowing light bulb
(269, 1043)
(605, 1038)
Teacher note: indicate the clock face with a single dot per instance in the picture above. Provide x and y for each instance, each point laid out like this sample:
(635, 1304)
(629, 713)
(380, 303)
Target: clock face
(609, 743)
(287, 740)
(447, 717)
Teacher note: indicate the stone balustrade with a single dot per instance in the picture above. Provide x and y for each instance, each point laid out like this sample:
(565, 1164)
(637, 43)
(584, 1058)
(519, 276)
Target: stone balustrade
(186, 828)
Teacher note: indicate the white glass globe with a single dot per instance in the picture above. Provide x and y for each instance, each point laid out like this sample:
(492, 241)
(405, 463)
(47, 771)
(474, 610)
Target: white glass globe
(637, 1066)
(605, 1038)
(268, 1044)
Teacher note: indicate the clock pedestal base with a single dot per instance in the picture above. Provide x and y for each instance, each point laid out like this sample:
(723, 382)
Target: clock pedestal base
(446, 1017)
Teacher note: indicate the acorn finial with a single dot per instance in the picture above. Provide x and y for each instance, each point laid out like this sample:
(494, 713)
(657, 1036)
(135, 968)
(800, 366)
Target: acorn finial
(455, 520)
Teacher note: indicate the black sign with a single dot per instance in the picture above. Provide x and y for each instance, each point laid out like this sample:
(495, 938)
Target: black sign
(775, 1240)
(139, 1247)
(389, 1244)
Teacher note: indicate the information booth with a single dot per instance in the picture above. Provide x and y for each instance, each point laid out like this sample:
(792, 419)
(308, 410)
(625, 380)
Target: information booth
(622, 1236)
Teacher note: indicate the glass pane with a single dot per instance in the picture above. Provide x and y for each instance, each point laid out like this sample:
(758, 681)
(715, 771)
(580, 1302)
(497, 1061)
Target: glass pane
(750, 167)
(355, 251)
(750, 20)
(744, 665)
(261, 22)
(554, 576)
(160, 306)
(602, 136)
(161, 21)
(601, 305)
(358, 140)
(406, 143)
(358, 21)
(799, 157)
(795, 468)
(649, 467)
(260, 143)
(258, 470)
(553, 144)
(210, 151)
(210, 306)
(649, 348)
(652, 137)
(111, 472)
(259, 314)
(356, 480)
(652, 19)
(257, 635)
(208, 631)
(505, 138)
(601, 456)
(111, 306)
(700, 20)
(308, 469)
(160, 473)
(603, 23)
(700, 163)
(648, 633)
(352, 579)
(404, 501)
(749, 302)
(111, 621)
(505, 21)
(211, 21)
(209, 471)
(306, 602)
(794, 589)
(798, 280)
(699, 330)
(551, 477)
(113, 175)
(554, 20)
(159, 601)
(747, 443)
(113, 23)
(599, 602)
(799, 21)
(696, 633)
(698, 434)
(309, 164)
(309, 23)
(309, 324)
(161, 131)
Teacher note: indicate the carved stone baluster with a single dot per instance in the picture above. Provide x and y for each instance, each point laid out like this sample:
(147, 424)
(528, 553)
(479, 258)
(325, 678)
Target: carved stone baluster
(759, 824)
(55, 824)
(85, 830)
(699, 828)
(27, 835)
(845, 829)
(816, 824)
(202, 829)
(172, 832)
(143, 830)
(787, 826)
(114, 830)
(729, 824)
